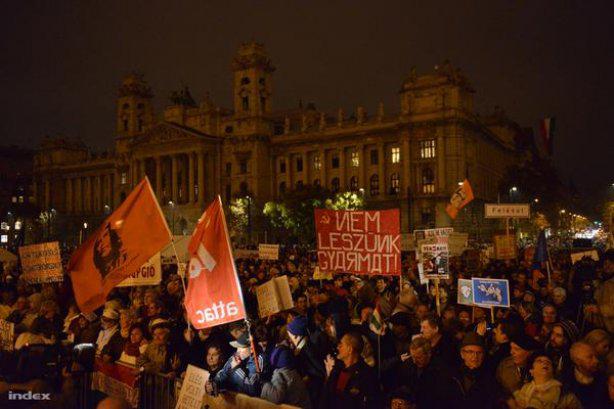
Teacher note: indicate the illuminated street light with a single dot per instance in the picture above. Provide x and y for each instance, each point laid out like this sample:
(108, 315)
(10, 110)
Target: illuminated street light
(514, 189)
(536, 200)
(562, 211)
(85, 225)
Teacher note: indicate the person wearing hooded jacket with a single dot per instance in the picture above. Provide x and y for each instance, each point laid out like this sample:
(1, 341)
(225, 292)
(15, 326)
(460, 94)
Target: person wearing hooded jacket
(286, 385)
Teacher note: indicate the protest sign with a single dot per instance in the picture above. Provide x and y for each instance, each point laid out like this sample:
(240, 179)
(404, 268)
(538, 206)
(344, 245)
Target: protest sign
(149, 273)
(457, 243)
(268, 251)
(575, 257)
(434, 260)
(507, 210)
(322, 275)
(245, 253)
(7, 335)
(192, 388)
(41, 263)
(439, 232)
(274, 296)
(117, 380)
(465, 292)
(489, 292)
(359, 241)
(419, 243)
(505, 247)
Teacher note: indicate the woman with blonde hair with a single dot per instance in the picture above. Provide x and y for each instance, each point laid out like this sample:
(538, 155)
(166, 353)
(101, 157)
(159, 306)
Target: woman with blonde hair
(602, 342)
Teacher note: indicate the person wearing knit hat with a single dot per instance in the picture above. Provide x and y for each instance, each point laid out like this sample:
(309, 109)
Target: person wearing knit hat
(298, 326)
(564, 333)
(286, 385)
(513, 372)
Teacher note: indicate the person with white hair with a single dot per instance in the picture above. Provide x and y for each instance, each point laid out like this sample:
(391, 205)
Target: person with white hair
(110, 342)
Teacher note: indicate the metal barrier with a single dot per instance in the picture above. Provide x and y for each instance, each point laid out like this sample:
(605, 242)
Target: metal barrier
(82, 387)
(156, 392)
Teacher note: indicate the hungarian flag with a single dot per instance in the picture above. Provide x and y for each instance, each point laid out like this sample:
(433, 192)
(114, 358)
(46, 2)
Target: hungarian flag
(129, 237)
(459, 199)
(546, 129)
(214, 294)
(376, 323)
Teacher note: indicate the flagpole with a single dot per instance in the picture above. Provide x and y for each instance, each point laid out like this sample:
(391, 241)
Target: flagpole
(437, 304)
(379, 355)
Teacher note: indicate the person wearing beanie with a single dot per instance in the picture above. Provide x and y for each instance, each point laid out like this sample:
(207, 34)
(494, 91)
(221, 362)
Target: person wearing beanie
(512, 372)
(286, 385)
(564, 333)
(309, 357)
(476, 384)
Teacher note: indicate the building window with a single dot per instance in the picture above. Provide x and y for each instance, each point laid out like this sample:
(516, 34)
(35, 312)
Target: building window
(316, 182)
(282, 166)
(228, 193)
(140, 124)
(20, 199)
(335, 161)
(427, 149)
(245, 103)
(374, 154)
(355, 159)
(334, 185)
(245, 81)
(395, 185)
(243, 166)
(317, 162)
(353, 183)
(243, 188)
(374, 185)
(123, 178)
(125, 124)
(228, 168)
(140, 106)
(262, 103)
(228, 129)
(299, 164)
(395, 154)
(278, 129)
(428, 181)
(282, 187)
(426, 216)
(299, 184)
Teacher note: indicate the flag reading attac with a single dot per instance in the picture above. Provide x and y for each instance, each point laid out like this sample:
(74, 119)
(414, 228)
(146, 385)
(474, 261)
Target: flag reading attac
(214, 294)
(131, 235)
(459, 199)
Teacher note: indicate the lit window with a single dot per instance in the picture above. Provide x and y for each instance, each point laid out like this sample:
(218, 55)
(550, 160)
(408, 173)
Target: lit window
(427, 149)
(395, 154)
(20, 199)
(282, 166)
(299, 164)
(14, 199)
(374, 156)
(355, 159)
(395, 184)
(428, 181)
(353, 183)
(374, 185)
(124, 178)
(317, 162)
(334, 185)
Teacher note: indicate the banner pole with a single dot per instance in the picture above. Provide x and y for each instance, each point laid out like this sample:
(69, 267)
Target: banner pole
(492, 314)
(437, 297)
(253, 345)
(379, 356)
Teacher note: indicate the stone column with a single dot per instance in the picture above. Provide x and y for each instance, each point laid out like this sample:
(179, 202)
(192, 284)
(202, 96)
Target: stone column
(305, 158)
(362, 167)
(158, 160)
(288, 160)
(191, 177)
(97, 196)
(69, 205)
(174, 181)
(342, 181)
(201, 178)
(405, 161)
(441, 165)
(381, 169)
(78, 202)
(323, 164)
(109, 197)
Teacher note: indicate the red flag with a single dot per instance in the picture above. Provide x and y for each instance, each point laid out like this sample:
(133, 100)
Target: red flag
(214, 294)
(459, 199)
(132, 234)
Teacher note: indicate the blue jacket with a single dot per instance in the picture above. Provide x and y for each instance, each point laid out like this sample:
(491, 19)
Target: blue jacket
(243, 378)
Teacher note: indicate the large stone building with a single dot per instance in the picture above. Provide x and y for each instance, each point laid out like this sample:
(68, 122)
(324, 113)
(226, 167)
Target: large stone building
(412, 159)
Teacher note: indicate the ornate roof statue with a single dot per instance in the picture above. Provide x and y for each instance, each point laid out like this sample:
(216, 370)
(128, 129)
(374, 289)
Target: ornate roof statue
(252, 55)
(135, 85)
(182, 97)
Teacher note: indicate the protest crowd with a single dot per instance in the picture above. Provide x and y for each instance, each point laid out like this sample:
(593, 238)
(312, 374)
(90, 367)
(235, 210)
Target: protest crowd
(350, 342)
(337, 341)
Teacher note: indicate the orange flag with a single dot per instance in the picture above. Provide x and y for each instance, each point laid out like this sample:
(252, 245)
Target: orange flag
(214, 294)
(459, 199)
(132, 234)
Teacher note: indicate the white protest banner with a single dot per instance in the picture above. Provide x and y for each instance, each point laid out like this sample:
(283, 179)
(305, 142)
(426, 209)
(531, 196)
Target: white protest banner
(435, 260)
(268, 251)
(505, 247)
(274, 296)
(7, 335)
(507, 210)
(575, 257)
(149, 273)
(359, 241)
(41, 263)
(193, 388)
(457, 243)
(439, 232)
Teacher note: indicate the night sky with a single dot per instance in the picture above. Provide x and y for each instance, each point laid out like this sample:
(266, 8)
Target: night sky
(62, 61)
